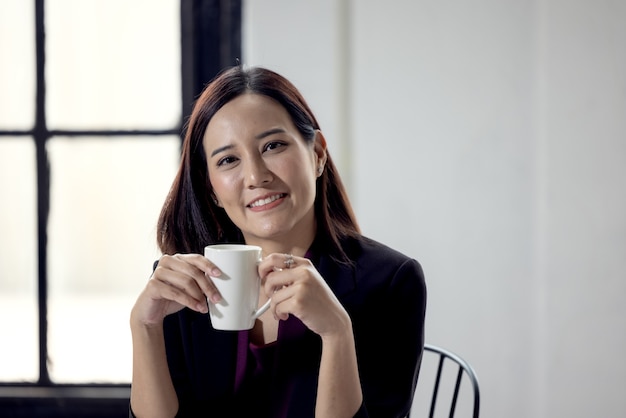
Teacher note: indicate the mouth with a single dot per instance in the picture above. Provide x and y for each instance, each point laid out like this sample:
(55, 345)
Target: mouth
(266, 200)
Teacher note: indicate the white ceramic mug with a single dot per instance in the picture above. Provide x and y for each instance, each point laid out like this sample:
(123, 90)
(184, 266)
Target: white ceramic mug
(239, 284)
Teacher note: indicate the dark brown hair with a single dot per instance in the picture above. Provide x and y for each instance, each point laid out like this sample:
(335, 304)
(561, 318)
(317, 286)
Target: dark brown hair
(190, 219)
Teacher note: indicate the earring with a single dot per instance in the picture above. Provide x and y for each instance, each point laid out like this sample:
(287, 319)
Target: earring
(320, 170)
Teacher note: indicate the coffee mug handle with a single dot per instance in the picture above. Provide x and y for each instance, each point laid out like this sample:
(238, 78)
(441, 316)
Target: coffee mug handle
(262, 309)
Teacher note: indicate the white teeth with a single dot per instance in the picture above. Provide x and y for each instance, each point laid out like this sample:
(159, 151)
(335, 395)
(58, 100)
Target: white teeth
(267, 201)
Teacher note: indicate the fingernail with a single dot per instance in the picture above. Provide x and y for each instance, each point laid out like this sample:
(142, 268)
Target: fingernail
(215, 272)
(202, 307)
(216, 298)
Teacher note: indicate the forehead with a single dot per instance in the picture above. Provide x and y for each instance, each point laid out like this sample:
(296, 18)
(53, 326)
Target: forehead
(248, 114)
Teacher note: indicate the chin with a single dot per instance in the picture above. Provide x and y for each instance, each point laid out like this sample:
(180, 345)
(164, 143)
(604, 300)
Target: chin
(267, 232)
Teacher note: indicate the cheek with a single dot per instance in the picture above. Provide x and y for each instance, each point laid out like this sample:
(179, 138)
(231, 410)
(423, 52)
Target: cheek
(302, 167)
(222, 185)
(304, 178)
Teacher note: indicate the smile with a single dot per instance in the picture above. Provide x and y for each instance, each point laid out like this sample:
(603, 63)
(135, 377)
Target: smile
(266, 201)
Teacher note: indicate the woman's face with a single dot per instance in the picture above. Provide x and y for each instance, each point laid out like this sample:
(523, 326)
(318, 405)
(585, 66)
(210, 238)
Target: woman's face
(262, 171)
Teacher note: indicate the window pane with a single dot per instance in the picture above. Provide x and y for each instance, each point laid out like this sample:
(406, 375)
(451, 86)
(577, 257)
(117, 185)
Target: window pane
(113, 64)
(19, 353)
(17, 71)
(106, 194)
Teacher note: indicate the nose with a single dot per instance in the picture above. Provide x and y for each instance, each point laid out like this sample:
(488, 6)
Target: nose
(256, 173)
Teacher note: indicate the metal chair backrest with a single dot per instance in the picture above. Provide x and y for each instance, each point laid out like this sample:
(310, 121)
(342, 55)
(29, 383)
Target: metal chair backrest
(459, 368)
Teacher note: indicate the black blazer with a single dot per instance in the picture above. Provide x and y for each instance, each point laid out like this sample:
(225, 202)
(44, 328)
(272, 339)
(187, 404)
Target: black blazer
(384, 293)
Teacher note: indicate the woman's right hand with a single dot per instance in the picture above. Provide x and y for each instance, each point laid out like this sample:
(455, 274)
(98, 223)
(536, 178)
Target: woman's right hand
(178, 281)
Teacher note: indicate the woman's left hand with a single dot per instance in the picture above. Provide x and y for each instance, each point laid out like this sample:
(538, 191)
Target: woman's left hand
(298, 289)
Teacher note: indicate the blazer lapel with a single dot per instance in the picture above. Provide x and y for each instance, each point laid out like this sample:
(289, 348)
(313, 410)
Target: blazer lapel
(340, 277)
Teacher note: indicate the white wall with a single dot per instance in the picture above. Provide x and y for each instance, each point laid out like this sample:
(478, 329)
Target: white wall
(488, 140)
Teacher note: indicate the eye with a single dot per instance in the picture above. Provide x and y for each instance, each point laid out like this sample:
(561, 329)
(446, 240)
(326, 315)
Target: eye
(273, 145)
(224, 161)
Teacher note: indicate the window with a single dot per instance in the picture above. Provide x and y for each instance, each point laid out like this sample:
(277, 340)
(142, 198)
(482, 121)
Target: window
(93, 103)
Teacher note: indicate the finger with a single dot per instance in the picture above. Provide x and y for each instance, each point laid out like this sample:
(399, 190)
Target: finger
(210, 270)
(279, 261)
(275, 261)
(277, 306)
(197, 267)
(203, 263)
(186, 262)
(159, 289)
(179, 280)
(188, 279)
(286, 302)
(276, 281)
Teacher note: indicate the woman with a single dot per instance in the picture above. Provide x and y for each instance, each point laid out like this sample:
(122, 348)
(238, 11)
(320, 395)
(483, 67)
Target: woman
(344, 333)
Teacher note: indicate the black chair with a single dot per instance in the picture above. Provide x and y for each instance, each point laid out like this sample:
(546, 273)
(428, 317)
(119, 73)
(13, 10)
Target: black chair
(447, 381)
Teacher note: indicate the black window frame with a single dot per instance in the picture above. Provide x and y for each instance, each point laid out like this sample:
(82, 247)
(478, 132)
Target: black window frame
(210, 42)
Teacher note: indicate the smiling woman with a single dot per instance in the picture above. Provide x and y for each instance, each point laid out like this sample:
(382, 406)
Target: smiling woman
(256, 170)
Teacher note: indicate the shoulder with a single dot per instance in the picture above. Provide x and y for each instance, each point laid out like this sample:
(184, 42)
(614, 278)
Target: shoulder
(378, 250)
(373, 268)
(376, 265)
(365, 252)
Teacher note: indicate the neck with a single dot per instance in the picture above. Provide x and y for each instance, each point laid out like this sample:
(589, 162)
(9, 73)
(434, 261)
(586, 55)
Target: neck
(297, 242)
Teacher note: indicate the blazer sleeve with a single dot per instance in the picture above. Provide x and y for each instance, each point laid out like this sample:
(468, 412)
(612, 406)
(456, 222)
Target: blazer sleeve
(388, 322)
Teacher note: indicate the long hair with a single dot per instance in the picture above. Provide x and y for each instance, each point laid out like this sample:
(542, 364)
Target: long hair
(190, 219)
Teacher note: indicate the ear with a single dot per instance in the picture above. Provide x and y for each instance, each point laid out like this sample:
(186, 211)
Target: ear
(319, 147)
(214, 198)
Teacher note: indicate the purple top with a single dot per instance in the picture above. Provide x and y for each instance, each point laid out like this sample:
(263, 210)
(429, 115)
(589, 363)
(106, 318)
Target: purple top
(254, 365)
(254, 378)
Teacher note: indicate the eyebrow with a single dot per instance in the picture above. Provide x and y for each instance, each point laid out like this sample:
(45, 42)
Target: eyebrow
(220, 149)
(262, 135)
(270, 132)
